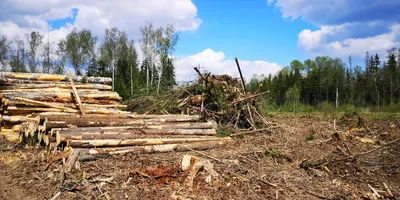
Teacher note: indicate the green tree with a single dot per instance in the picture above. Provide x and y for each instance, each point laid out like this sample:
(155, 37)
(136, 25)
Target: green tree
(111, 48)
(4, 51)
(292, 97)
(47, 63)
(79, 48)
(34, 41)
(61, 53)
(17, 62)
(166, 44)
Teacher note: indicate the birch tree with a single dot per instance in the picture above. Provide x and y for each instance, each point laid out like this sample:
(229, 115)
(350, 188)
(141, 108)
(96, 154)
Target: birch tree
(34, 41)
(4, 51)
(111, 49)
(79, 48)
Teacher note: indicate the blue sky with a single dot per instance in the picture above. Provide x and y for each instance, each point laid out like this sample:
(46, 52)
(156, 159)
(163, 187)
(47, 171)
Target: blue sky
(250, 30)
(264, 34)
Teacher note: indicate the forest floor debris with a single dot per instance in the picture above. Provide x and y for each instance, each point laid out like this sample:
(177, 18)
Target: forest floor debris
(263, 165)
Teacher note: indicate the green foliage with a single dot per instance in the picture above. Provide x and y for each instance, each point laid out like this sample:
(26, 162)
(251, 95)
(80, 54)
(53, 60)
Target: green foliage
(224, 131)
(34, 41)
(327, 107)
(79, 48)
(280, 156)
(310, 137)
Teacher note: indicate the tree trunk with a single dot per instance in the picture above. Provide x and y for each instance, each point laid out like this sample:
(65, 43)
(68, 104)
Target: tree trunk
(38, 84)
(337, 97)
(65, 136)
(62, 96)
(62, 126)
(156, 148)
(53, 77)
(137, 142)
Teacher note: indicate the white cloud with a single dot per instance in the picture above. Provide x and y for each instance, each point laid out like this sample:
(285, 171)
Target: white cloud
(317, 43)
(216, 63)
(18, 17)
(345, 27)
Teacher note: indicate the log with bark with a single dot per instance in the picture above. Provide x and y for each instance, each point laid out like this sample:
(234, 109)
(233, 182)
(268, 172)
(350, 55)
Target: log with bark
(155, 148)
(14, 84)
(137, 142)
(54, 77)
(63, 136)
(64, 96)
(62, 126)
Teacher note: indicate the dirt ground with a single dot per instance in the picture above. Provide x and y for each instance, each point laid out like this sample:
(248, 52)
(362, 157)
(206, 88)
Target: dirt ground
(262, 166)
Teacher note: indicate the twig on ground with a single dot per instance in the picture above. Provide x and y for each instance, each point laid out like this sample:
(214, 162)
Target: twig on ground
(317, 195)
(199, 152)
(360, 154)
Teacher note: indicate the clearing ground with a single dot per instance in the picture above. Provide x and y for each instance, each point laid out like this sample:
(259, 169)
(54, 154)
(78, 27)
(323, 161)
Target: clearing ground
(262, 166)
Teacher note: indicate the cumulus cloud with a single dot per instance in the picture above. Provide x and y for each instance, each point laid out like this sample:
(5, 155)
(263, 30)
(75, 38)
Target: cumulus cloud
(216, 63)
(346, 27)
(17, 16)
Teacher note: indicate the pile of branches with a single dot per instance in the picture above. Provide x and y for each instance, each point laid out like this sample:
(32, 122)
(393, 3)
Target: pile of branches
(218, 97)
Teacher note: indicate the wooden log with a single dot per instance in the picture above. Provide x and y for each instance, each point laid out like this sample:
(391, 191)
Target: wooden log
(82, 122)
(173, 118)
(137, 142)
(155, 148)
(28, 110)
(76, 95)
(93, 120)
(65, 96)
(193, 117)
(70, 165)
(54, 77)
(65, 137)
(62, 126)
(44, 104)
(19, 119)
(46, 85)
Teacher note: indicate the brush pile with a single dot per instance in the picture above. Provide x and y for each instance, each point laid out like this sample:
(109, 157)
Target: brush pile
(218, 97)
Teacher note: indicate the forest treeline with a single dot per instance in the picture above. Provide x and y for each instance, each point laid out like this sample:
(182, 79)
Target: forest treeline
(332, 81)
(116, 57)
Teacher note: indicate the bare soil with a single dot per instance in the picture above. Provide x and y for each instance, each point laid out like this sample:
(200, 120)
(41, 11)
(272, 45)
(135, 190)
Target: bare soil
(261, 166)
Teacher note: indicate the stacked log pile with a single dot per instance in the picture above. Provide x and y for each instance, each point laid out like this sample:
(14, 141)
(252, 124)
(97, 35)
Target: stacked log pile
(24, 95)
(58, 111)
(121, 133)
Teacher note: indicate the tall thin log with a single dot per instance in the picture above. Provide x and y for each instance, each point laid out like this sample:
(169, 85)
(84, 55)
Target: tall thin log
(44, 104)
(137, 142)
(53, 77)
(155, 148)
(76, 95)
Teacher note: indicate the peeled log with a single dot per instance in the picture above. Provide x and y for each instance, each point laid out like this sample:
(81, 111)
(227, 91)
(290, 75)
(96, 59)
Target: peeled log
(194, 117)
(160, 118)
(94, 120)
(156, 148)
(62, 126)
(117, 136)
(54, 77)
(63, 135)
(46, 85)
(137, 142)
(64, 95)
(44, 104)
(19, 119)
